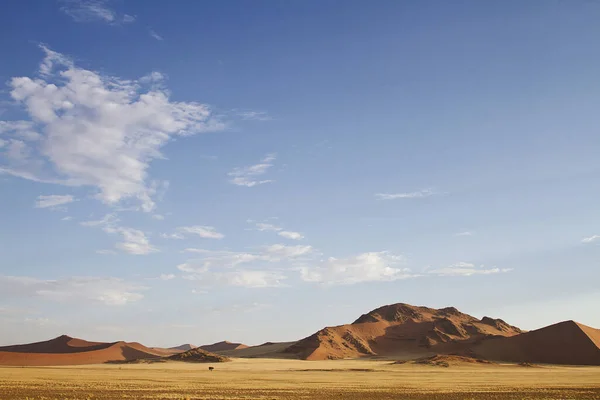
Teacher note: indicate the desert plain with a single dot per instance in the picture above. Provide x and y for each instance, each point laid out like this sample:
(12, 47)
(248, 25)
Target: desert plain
(297, 379)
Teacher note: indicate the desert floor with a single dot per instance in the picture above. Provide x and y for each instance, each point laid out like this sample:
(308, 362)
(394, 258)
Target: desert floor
(291, 379)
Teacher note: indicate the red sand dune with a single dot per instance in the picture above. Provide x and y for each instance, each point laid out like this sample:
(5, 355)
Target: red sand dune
(401, 330)
(223, 346)
(567, 342)
(65, 350)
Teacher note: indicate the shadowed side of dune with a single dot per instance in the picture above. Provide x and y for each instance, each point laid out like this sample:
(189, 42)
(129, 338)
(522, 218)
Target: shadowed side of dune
(62, 344)
(564, 343)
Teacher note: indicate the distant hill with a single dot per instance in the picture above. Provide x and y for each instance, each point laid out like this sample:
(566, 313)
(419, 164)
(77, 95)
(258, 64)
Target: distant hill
(401, 330)
(567, 342)
(65, 350)
(223, 346)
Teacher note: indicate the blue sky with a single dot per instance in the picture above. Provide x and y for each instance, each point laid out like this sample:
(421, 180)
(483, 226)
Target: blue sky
(253, 171)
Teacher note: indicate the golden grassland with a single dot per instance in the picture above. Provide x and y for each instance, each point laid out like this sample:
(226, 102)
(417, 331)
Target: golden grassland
(294, 379)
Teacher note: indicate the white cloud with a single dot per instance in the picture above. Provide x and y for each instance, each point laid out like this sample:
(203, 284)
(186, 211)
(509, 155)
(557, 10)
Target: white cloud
(96, 130)
(178, 236)
(411, 195)
(166, 277)
(53, 200)
(206, 232)
(590, 239)
(134, 241)
(222, 267)
(266, 227)
(466, 233)
(21, 129)
(365, 267)
(254, 115)
(247, 176)
(158, 217)
(467, 269)
(155, 35)
(261, 226)
(93, 11)
(291, 235)
(279, 252)
(109, 291)
(67, 218)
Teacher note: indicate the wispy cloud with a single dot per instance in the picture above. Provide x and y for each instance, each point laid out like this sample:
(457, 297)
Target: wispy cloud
(98, 131)
(109, 291)
(263, 226)
(94, 11)
(53, 200)
(254, 115)
(134, 241)
(590, 239)
(465, 233)
(206, 232)
(248, 176)
(409, 195)
(466, 269)
(246, 269)
(155, 35)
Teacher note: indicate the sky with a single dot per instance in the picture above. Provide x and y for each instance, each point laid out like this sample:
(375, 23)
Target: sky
(190, 172)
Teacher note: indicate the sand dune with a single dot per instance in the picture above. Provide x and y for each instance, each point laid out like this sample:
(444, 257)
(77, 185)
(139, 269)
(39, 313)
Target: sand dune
(564, 343)
(265, 350)
(223, 346)
(65, 350)
(401, 331)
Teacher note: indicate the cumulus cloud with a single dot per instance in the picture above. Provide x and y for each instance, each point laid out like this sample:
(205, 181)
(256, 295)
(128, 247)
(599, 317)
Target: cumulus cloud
(249, 176)
(134, 241)
(410, 195)
(53, 200)
(95, 130)
(94, 11)
(365, 267)
(590, 239)
(166, 277)
(109, 291)
(467, 269)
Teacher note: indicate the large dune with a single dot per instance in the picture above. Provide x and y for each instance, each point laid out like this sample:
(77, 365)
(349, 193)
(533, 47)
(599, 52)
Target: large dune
(65, 350)
(223, 346)
(564, 343)
(401, 331)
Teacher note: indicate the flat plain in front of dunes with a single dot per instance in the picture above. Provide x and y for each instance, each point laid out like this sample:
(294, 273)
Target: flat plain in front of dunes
(294, 379)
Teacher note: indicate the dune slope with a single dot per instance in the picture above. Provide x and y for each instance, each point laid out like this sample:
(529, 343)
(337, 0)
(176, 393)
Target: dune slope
(65, 350)
(401, 331)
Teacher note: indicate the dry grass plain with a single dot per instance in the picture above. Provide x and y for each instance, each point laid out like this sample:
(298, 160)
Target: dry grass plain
(293, 379)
